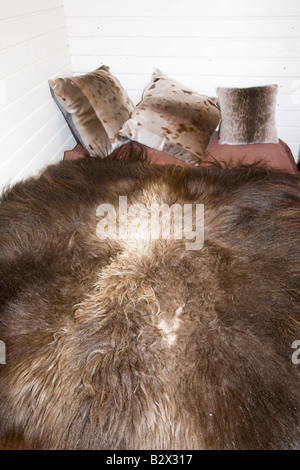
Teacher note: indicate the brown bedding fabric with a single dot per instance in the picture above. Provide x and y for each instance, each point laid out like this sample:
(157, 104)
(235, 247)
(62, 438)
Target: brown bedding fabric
(277, 156)
(134, 151)
(142, 153)
(77, 152)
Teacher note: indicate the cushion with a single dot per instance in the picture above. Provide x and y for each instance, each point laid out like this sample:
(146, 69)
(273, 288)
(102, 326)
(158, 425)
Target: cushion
(276, 156)
(95, 106)
(248, 115)
(173, 118)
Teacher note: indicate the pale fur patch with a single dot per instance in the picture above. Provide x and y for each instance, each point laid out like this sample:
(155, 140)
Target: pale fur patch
(137, 227)
(169, 328)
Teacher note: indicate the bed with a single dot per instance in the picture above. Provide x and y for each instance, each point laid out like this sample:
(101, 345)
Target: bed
(149, 283)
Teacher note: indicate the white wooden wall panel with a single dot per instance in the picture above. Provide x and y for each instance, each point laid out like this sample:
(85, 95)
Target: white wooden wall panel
(13, 8)
(202, 44)
(17, 30)
(180, 8)
(33, 48)
(16, 58)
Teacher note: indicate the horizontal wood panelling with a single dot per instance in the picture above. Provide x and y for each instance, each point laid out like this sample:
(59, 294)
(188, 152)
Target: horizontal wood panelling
(18, 30)
(19, 110)
(13, 140)
(29, 77)
(289, 134)
(267, 48)
(201, 44)
(181, 9)
(51, 153)
(33, 48)
(189, 66)
(15, 58)
(15, 8)
(189, 27)
(19, 166)
(291, 117)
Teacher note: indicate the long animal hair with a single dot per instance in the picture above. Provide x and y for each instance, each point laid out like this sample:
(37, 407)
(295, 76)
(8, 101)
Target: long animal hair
(143, 344)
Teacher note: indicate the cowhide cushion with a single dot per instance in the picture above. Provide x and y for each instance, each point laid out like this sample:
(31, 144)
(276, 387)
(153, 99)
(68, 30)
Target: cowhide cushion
(173, 118)
(95, 106)
(248, 115)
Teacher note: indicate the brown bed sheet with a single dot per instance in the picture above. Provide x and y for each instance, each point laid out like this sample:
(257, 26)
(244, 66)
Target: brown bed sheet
(275, 156)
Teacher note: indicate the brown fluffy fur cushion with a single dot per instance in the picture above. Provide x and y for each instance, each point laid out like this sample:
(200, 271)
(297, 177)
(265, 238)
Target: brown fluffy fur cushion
(248, 115)
(87, 323)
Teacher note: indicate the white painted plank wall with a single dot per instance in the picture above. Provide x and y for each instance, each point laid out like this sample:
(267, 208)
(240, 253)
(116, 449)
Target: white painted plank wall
(33, 48)
(202, 44)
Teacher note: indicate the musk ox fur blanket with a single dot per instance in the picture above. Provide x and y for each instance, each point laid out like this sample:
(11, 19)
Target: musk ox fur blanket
(138, 342)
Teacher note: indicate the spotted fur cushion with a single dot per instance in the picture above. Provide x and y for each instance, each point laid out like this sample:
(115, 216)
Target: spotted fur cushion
(173, 118)
(248, 115)
(95, 106)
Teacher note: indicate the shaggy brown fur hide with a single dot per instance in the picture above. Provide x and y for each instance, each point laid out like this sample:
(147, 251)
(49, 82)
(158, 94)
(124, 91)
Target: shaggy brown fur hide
(87, 323)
